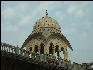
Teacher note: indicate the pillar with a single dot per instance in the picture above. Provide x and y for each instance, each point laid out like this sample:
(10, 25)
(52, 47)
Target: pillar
(4, 47)
(53, 51)
(9, 48)
(33, 48)
(58, 53)
(27, 48)
(12, 50)
(65, 54)
(39, 50)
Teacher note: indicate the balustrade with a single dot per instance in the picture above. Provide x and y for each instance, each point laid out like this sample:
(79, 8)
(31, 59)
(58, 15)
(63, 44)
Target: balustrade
(42, 57)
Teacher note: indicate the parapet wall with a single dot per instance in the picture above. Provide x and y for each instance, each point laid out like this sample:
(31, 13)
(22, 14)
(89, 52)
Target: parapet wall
(43, 59)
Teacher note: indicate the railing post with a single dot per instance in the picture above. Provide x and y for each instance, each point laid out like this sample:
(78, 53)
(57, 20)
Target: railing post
(4, 46)
(26, 53)
(41, 57)
(21, 51)
(37, 56)
(12, 49)
(16, 49)
(9, 47)
(33, 55)
(45, 57)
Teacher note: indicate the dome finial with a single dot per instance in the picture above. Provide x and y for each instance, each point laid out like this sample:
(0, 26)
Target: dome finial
(46, 13)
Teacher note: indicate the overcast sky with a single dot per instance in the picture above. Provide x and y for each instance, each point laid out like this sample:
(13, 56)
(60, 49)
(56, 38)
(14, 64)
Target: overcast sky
(75, 19)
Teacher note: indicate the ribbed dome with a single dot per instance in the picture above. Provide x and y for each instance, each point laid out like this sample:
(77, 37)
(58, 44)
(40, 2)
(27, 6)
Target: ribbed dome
(46, 23)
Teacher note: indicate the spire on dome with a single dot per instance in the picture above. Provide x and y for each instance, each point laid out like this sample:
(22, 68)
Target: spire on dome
(46, 13)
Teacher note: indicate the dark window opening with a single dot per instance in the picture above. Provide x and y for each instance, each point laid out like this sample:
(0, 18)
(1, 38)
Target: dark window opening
(30, 48)
(51, 48)
(62, 49)
(57, 50)
(36, 48)
(42, 48)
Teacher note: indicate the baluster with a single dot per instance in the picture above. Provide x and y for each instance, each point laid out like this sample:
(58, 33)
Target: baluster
(2, 46)
(37, 56)
(45, 57)
(27, 53)
(12, 49)
(21, 51)
(30, 55)
(5, 47)
(41, 57)
(16, 50)
(9, 47)
(33, 55)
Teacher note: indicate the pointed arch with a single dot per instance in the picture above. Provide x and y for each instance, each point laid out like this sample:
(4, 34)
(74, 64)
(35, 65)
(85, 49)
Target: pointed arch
(51, 48)
(36, 49)
(57, 49)
(62, 49)
(42, 48)
(30, 48)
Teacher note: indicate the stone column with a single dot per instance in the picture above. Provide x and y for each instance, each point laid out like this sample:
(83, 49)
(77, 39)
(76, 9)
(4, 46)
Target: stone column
(9, 48)
(39, 50)
(21, 51)
(47, 49)
(27, 48)
(33, 48)
(65, 54)
(59, 57)
(26, 53)
(16, 50)
(53, 51)
(2, 46)
(58, 54)
(33, 55)
(12, 49)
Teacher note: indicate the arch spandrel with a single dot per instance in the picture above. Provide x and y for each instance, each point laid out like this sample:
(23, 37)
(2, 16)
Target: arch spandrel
(56, 42)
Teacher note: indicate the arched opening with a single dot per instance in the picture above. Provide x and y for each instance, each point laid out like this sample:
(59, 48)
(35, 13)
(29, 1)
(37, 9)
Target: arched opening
(36, 49)
(57, 49)
(42, 48)
(62, 48)
(30, 48)
(51, 48)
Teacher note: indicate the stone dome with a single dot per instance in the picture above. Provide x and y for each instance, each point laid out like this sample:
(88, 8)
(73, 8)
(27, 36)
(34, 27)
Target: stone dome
(46, 23)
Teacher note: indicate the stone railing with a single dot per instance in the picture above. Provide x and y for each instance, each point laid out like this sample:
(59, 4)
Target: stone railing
(44, 58)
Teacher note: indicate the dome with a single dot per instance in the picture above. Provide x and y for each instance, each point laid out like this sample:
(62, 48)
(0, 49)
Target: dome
(46, 23)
